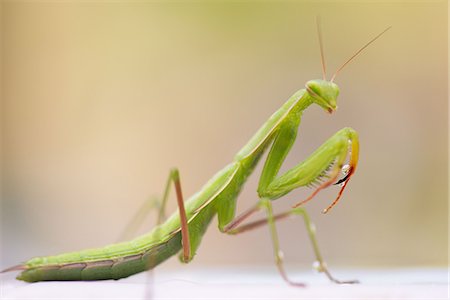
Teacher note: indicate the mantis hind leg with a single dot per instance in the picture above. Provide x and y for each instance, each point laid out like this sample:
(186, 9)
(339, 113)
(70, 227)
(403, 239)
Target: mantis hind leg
(138, 218)
(145, 209)
(174, 177)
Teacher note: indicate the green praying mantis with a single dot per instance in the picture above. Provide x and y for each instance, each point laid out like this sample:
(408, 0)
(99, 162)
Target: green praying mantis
(334, 162)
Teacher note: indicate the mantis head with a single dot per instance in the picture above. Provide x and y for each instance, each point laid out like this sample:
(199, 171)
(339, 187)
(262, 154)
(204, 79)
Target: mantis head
(324, 93)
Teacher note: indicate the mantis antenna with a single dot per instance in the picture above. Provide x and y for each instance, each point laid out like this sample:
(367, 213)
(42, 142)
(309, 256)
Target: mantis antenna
(322, 56)
(358, 52)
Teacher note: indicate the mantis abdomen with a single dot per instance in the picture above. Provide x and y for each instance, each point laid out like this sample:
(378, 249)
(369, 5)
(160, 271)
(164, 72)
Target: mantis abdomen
(124, 259)
(106, 265)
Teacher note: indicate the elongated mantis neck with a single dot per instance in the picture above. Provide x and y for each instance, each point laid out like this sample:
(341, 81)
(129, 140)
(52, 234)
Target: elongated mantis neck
(303, 103)
(295, 105)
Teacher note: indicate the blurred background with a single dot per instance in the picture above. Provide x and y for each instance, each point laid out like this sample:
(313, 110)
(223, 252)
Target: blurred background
(100, 100)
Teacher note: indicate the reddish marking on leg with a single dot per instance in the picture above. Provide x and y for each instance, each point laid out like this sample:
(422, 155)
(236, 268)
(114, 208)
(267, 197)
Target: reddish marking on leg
(183, 221)
(321, 187)
(351, 171)
(234, 223)
(256, 224)
(284, 275)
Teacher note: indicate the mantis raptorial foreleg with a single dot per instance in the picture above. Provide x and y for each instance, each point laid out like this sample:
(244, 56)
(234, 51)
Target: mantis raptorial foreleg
(332, 153)
(353, 140)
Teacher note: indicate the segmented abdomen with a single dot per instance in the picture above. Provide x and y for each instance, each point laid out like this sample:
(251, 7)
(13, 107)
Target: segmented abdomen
(102, 268)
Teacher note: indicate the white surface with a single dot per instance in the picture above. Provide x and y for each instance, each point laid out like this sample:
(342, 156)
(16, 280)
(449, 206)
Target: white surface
(240, 283)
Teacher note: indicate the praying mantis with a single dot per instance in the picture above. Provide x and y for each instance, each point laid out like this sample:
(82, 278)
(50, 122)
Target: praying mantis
(333, 163)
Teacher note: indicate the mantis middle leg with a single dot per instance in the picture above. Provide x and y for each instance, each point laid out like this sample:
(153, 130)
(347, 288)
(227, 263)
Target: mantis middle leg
(235, 228)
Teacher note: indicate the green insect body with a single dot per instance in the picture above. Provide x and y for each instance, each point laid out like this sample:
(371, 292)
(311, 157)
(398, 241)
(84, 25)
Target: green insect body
(218, 196)
(184, 229)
